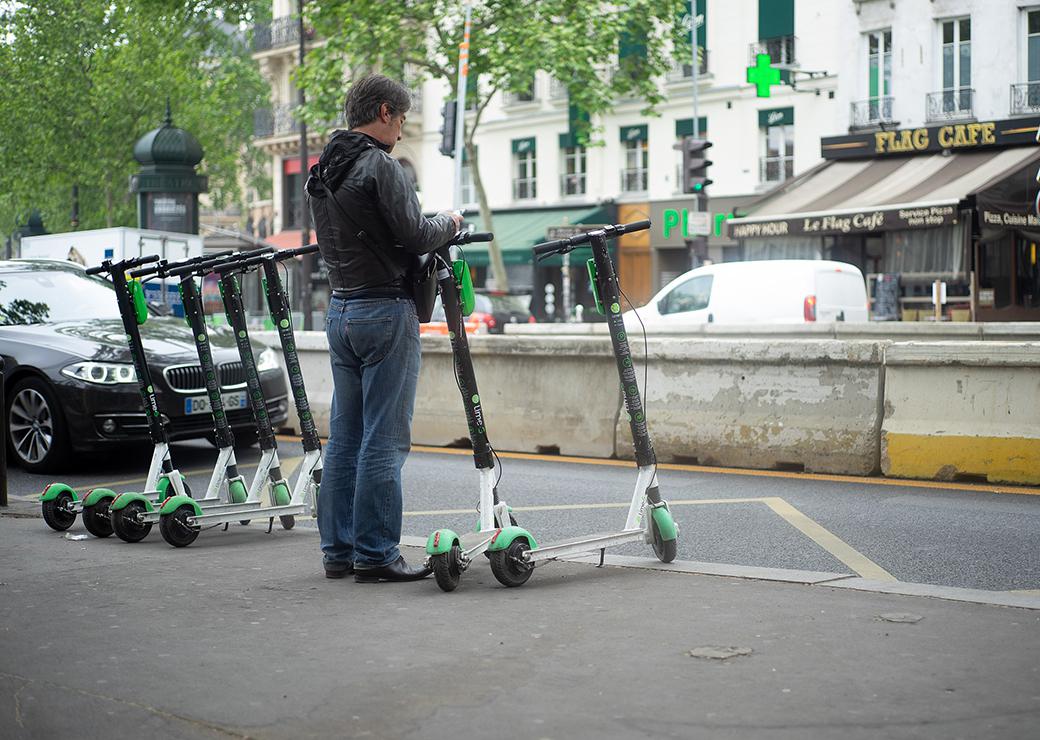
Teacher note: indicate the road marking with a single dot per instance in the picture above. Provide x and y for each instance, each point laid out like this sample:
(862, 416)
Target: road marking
(860, 563)
(857, 561)
(901, 482)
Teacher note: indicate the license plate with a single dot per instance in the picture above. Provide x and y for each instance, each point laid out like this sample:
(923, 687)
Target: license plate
(231, 401)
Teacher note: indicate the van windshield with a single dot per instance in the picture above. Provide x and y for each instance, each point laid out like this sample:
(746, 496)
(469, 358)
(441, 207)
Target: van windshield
(693, 295)
(834, 288)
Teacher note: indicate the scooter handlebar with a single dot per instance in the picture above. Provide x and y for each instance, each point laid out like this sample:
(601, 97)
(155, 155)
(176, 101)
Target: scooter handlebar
(278, 256)
(122, 265)
(607, 232)
(468, 237)
(209, 264)
(165, 267)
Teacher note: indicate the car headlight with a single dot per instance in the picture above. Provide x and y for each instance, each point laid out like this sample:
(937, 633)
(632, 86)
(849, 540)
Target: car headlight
(101, 373)
(267, 361)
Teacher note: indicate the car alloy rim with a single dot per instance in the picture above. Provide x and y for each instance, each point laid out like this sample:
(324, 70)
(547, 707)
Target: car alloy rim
(32, 429)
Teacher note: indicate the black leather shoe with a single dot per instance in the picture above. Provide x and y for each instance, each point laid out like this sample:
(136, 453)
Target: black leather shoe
(338, 570)
(398, 570)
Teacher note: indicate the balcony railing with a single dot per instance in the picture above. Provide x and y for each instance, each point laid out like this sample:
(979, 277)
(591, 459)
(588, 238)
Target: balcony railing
(518, 98)
(557, 90)
(279, 121)
(633, 180)
(780, 50)
(1025, 98)
(573, 184)
(683, 70)
(870, 112)
(279, 32)
(952, 104)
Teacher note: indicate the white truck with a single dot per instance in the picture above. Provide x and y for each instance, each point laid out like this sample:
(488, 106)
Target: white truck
(92, 247)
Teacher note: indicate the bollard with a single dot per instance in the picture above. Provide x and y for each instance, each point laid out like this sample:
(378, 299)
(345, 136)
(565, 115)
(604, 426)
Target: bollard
(3, 439)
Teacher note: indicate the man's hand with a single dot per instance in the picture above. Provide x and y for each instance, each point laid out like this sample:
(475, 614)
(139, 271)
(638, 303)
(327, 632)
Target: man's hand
(456, 217)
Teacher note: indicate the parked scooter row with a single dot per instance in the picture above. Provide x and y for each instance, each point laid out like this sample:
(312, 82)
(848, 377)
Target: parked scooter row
(166, 498)
(512, 550)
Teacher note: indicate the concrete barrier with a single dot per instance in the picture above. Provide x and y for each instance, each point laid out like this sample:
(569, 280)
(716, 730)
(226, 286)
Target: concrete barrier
(956, 410)
(877, 331)
(803, 404)
(538, 394)
(935, 410)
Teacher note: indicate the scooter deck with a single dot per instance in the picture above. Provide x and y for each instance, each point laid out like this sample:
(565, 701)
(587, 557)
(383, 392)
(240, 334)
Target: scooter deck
(585, 544)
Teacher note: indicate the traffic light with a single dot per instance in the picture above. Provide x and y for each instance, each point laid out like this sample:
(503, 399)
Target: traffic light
(447, 147)
(694, 164)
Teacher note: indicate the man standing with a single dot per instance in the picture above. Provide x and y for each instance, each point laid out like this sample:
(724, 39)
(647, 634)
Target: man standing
(370, 230)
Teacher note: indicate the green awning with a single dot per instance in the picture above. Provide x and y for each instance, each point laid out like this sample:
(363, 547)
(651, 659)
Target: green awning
(633, 133)
(684, 127)
(517, 231)
(523, 145)
(776, 117)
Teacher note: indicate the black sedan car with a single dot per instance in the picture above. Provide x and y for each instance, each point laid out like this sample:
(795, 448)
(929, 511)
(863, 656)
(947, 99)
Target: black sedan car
(70, 385)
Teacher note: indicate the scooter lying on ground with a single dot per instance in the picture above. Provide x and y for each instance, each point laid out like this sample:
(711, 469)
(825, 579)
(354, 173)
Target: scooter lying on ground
(448, 553)
(61, 503)
(181, 519)
(513, 551)
(131, 514)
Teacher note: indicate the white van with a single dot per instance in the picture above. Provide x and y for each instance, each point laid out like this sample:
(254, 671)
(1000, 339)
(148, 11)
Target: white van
(760, 292)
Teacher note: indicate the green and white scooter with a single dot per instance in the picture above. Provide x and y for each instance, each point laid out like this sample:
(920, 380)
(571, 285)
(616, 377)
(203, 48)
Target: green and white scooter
(181, 519)
(513, 551)
(61, 503)
(131, 515)
(448, 553)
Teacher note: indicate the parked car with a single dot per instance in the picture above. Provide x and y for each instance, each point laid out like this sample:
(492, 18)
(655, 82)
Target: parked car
(496, 309)
(69, 380)
(760, 292)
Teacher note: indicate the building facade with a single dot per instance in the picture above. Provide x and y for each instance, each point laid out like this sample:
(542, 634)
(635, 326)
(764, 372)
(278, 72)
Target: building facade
(932, 175)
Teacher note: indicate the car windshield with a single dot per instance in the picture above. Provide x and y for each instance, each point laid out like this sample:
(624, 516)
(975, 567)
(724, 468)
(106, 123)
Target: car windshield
(45, 296)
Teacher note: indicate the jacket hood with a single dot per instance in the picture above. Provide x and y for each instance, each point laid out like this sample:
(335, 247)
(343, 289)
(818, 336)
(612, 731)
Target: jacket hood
(337, 159)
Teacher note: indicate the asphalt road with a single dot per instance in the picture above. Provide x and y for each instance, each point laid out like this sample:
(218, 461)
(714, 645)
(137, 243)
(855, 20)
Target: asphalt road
(961, 536)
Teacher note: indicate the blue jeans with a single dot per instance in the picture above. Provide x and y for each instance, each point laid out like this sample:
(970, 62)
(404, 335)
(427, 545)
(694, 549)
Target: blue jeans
(375, 352)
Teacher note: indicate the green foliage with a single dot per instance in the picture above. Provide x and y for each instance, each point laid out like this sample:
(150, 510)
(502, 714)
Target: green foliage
(576, 41)
(83, 81)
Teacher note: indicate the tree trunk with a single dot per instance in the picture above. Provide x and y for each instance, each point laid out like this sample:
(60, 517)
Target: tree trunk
(498, 265)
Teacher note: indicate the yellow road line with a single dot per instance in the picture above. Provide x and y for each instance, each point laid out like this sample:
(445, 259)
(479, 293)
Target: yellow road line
(901, 482)
(860, 563)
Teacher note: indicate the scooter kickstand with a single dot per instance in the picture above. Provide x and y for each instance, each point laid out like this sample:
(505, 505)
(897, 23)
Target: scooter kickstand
(270, 525)
(602, 555)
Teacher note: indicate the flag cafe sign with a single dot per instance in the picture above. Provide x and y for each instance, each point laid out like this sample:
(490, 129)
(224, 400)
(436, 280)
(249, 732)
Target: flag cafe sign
(931, 139)
(847, 222)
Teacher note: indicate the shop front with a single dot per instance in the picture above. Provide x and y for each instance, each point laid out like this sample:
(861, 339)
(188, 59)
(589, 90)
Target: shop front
(912, 207)
(675, 247)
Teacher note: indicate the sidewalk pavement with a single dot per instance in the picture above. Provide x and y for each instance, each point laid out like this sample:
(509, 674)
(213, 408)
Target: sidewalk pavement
(241, 635)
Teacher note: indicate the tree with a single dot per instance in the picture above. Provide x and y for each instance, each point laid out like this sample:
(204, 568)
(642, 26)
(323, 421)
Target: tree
(83, 81)
(579, 42)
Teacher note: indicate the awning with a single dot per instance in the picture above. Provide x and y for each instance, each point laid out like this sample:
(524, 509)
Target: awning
(289, 239)
(864, 196)
(517, 231)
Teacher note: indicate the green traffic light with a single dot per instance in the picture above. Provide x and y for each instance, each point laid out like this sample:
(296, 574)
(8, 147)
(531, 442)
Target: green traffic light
(698, 187)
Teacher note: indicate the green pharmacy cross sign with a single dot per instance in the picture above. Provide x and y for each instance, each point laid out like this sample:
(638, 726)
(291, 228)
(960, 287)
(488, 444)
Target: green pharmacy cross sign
(763, 75)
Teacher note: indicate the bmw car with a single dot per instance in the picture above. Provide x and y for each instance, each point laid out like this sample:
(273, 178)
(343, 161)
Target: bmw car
(70, 384)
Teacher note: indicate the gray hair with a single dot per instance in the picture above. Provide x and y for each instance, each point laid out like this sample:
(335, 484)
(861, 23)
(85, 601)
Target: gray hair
(367, 95)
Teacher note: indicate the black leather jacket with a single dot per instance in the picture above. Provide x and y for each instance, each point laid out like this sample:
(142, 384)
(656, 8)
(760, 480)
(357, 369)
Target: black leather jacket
(372, 231)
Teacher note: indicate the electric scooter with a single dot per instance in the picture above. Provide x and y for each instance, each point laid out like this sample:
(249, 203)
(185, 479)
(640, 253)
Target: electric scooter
(132, 515)
(513, 551)
(61, 503)
(181, 519)
(449, 554)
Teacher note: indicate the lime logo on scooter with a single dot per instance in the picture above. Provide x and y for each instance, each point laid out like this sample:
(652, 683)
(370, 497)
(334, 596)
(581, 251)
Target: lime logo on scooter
(615, 308)
(284, 323)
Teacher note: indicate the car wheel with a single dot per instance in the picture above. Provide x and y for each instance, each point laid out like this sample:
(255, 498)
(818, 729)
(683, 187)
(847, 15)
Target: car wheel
(36, 428)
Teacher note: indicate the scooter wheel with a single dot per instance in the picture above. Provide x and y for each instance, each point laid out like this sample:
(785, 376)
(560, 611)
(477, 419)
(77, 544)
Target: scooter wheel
(175, 529)
(508, 565)
(665, 550)
(126, 524)
(446, 568)
(96, 519)
(288, 521)
(57, 512)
